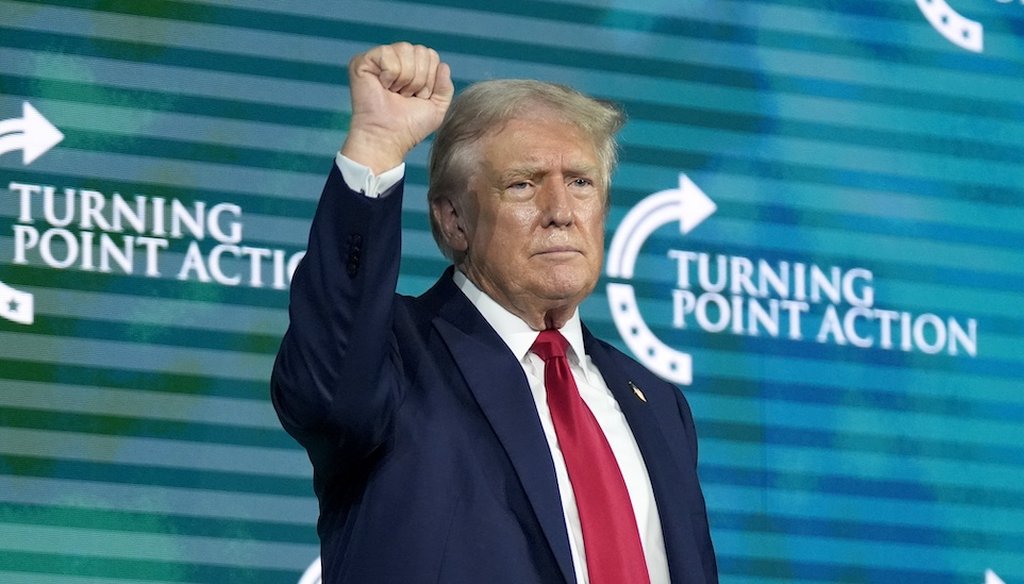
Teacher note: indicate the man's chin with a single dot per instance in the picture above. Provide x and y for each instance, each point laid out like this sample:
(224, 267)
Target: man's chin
(570, 290)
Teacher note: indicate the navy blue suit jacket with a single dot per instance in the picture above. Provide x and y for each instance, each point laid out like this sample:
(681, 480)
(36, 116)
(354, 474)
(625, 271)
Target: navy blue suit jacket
(429, 459)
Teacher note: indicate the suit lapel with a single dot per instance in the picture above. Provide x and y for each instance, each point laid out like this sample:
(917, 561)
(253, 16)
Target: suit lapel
(499, 385)
(661, 458)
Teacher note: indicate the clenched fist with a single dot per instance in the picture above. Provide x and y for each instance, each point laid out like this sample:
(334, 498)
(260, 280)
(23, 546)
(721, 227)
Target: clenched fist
(400, 93)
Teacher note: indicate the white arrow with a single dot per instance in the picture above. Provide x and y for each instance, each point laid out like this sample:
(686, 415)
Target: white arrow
(31, 133)
(697, 206)
(688, 205)
(992, 578)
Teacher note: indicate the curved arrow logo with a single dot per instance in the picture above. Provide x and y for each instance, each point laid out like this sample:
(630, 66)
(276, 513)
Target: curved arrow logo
(33, 134)
(959, 30)
(687, 205)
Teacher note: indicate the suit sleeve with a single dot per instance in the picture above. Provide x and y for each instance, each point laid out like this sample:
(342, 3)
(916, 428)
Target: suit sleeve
(686, 415)
(709, 561)
(334, 383)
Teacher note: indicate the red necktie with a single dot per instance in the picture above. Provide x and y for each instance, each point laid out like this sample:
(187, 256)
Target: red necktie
(610, 536)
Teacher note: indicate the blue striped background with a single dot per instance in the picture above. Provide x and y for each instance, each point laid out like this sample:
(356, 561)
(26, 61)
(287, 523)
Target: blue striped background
(137, 442)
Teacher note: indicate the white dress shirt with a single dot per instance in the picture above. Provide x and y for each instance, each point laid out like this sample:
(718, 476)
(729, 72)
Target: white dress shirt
(595, 393)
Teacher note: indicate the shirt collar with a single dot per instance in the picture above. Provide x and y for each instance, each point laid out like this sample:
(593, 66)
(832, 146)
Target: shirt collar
(518, 335)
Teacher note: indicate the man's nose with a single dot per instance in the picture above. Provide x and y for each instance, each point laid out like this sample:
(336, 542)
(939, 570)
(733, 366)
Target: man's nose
(556, 203)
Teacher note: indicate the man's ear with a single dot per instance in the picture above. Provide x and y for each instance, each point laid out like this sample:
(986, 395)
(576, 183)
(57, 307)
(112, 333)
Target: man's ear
(448, 218)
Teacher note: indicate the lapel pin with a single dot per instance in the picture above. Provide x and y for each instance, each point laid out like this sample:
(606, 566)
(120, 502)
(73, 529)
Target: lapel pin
(636, 391)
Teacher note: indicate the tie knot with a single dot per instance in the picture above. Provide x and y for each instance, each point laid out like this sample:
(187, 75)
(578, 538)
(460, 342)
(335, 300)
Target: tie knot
(550, 343)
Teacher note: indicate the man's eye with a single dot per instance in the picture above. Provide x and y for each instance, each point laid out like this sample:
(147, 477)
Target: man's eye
(582, 182)
(519, 186)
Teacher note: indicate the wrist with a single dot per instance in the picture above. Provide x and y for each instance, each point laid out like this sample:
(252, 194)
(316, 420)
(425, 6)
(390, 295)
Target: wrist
(373, 150)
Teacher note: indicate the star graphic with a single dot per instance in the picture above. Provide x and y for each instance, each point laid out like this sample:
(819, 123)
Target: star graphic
(15, 305)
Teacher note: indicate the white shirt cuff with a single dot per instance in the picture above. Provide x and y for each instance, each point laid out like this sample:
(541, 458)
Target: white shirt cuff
(361, 179)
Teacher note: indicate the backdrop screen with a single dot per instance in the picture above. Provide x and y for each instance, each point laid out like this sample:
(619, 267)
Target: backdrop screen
(816, 231)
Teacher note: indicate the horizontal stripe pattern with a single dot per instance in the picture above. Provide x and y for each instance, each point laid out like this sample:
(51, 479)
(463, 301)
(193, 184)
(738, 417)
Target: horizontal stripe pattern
(137, 441)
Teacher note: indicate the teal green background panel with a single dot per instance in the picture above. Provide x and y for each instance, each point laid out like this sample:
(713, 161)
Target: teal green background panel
(845, 314)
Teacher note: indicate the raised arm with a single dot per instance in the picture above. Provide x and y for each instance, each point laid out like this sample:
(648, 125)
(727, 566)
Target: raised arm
(335, 381)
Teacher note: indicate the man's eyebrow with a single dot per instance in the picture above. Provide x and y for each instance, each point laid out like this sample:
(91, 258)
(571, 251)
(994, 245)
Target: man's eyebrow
(529, 171)
(525, 171)
(582, 169)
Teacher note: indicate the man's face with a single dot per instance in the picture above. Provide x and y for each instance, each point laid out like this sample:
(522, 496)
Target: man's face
(533, 224)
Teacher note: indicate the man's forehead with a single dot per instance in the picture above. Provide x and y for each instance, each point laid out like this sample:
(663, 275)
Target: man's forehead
(537, 143)
(540, 121)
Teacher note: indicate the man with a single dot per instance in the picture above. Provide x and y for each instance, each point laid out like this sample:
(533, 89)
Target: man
(479, 433)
